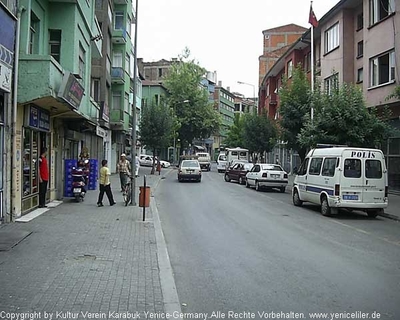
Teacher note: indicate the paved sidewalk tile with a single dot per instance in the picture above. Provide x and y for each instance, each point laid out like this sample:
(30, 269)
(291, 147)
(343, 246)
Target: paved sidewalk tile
(83, 258)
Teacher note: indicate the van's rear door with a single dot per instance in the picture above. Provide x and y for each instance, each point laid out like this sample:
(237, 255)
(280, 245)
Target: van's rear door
(374, 180)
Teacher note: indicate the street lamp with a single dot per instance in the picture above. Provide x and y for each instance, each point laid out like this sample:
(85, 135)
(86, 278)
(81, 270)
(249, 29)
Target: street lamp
(184, 101)
(254, 92)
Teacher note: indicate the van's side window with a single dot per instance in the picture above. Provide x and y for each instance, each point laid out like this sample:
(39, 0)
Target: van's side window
(303, 168)
(373, 169)
(352, 168)
(328, 169)
(315, 166)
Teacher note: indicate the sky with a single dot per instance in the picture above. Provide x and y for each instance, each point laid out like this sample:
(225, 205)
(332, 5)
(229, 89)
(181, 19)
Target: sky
(222, 35)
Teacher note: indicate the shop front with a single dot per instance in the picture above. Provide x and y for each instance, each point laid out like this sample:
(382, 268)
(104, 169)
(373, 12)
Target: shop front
(35, 137)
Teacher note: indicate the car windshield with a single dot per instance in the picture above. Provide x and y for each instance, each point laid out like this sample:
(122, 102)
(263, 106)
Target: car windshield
(190, 164)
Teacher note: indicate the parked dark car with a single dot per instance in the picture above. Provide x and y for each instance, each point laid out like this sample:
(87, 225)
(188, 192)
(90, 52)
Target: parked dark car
(238, 172)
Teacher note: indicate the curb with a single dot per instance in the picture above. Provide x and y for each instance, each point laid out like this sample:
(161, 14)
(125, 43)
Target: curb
(168, 287)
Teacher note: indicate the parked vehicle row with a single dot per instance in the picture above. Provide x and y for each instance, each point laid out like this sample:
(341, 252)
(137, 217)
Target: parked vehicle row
(258, 175)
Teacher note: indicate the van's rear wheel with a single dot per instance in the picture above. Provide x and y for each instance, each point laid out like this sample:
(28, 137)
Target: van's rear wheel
(296, 198)
(325, 208)
(374, 213)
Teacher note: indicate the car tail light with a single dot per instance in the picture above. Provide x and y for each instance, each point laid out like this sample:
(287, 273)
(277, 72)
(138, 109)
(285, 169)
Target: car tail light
(265, 175)
(337, 189)
(386, 191)
(285, 176)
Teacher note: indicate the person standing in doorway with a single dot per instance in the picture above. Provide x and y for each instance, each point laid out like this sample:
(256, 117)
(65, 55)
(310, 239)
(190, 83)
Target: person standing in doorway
(105, 185)
(124, 169)
(43, 178)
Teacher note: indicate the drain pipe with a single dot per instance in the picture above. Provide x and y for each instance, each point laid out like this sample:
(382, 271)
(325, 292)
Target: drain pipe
(14, 115)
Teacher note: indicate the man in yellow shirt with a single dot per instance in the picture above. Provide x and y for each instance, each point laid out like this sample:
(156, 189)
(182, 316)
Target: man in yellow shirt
(105, 184)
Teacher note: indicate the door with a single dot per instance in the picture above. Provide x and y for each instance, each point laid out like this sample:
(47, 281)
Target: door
(352, 181)
(301, 180)
(374, 186)
(315, 183)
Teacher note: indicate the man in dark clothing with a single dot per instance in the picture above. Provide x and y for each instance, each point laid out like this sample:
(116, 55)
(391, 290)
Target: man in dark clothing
(43, 178)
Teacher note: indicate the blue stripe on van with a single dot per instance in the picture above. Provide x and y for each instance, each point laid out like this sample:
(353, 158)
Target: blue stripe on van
(319, 190)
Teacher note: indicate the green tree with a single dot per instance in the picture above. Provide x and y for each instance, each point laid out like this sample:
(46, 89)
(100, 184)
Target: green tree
(197, 117)
(156, 127)
(259, 133)
(342, 117)
(295, 107)
(235, 133)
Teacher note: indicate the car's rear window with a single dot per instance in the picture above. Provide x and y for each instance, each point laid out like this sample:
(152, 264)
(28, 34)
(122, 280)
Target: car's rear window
(190, 163)
(373, 169)
(271, 167)
(352, 168)
(202, 154)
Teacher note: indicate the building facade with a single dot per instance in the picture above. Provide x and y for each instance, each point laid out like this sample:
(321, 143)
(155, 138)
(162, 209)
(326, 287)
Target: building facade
(8, 26)
(355, 42)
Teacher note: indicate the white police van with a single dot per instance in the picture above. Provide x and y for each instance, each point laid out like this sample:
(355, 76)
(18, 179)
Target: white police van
(343, 177)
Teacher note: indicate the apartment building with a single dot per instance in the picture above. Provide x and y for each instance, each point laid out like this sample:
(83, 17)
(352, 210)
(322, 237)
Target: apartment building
(275, 43)
(224, 102)
(355, 42)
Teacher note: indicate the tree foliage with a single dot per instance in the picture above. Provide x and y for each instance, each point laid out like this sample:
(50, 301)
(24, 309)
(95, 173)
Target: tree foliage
(196, 116)
(343, 118)
(156, 126)
(295, 106)
(259, 133)
(235, 133)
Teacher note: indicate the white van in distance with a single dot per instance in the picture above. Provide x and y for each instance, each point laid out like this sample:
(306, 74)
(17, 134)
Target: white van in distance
(343, 177)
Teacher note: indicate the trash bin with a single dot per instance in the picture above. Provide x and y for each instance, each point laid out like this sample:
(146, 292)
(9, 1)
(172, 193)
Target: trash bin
(144, 196)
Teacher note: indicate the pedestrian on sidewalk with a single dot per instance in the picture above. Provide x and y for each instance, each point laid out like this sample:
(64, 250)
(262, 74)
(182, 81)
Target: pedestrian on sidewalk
(43, 178)
(105, 185)
(124, 170)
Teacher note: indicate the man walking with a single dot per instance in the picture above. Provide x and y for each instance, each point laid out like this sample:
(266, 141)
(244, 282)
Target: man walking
(105, 185)
(124, 169)
(43, 178)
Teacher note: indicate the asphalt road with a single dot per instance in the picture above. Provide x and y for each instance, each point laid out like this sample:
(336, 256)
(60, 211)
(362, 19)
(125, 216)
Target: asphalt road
(236, 249)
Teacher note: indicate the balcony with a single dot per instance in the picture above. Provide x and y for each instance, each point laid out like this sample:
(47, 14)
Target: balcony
(119, 120)
(42, 77)
(119, 36)
(117, 75)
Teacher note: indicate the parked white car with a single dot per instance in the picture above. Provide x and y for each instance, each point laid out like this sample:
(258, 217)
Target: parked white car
(264, 175)
(147, 161)
(221, 162)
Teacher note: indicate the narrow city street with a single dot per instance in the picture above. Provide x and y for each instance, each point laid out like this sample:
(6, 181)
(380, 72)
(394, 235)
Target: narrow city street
(236, 249)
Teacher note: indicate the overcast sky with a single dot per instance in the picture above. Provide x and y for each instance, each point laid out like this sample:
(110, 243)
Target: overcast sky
(222, 35)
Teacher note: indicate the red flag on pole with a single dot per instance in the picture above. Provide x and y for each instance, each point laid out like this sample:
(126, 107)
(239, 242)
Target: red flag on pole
(312, 19)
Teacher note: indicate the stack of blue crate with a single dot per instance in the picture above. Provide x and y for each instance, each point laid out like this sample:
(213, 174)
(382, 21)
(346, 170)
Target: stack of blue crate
(94, 169)
(68, 165)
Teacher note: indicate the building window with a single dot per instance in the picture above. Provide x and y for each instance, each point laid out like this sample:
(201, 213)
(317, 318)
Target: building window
(332, 38)
(383, 69)
(55, 44)
(117, 60)
(128, 26)
(360, 49)
(360, 21)
(159, 72)
(290, 68)
(127, 62)
(95, 88)
(331, 84)
(360, 76)
(380, 9)
(82, 59)
(119, 20)
(307, 62)
(34, 34)
(116, 100)
(126, 103)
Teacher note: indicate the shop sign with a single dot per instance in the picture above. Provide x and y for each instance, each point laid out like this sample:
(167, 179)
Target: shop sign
(37, 118)
(104, 111)
(71, 91)
(101, 132)
(5, 77)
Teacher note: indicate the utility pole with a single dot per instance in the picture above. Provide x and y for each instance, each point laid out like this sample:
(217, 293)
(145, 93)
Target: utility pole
(134, 120)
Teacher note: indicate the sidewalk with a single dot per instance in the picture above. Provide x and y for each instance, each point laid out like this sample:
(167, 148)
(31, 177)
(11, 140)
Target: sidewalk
(80, 258)
(391, 212)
